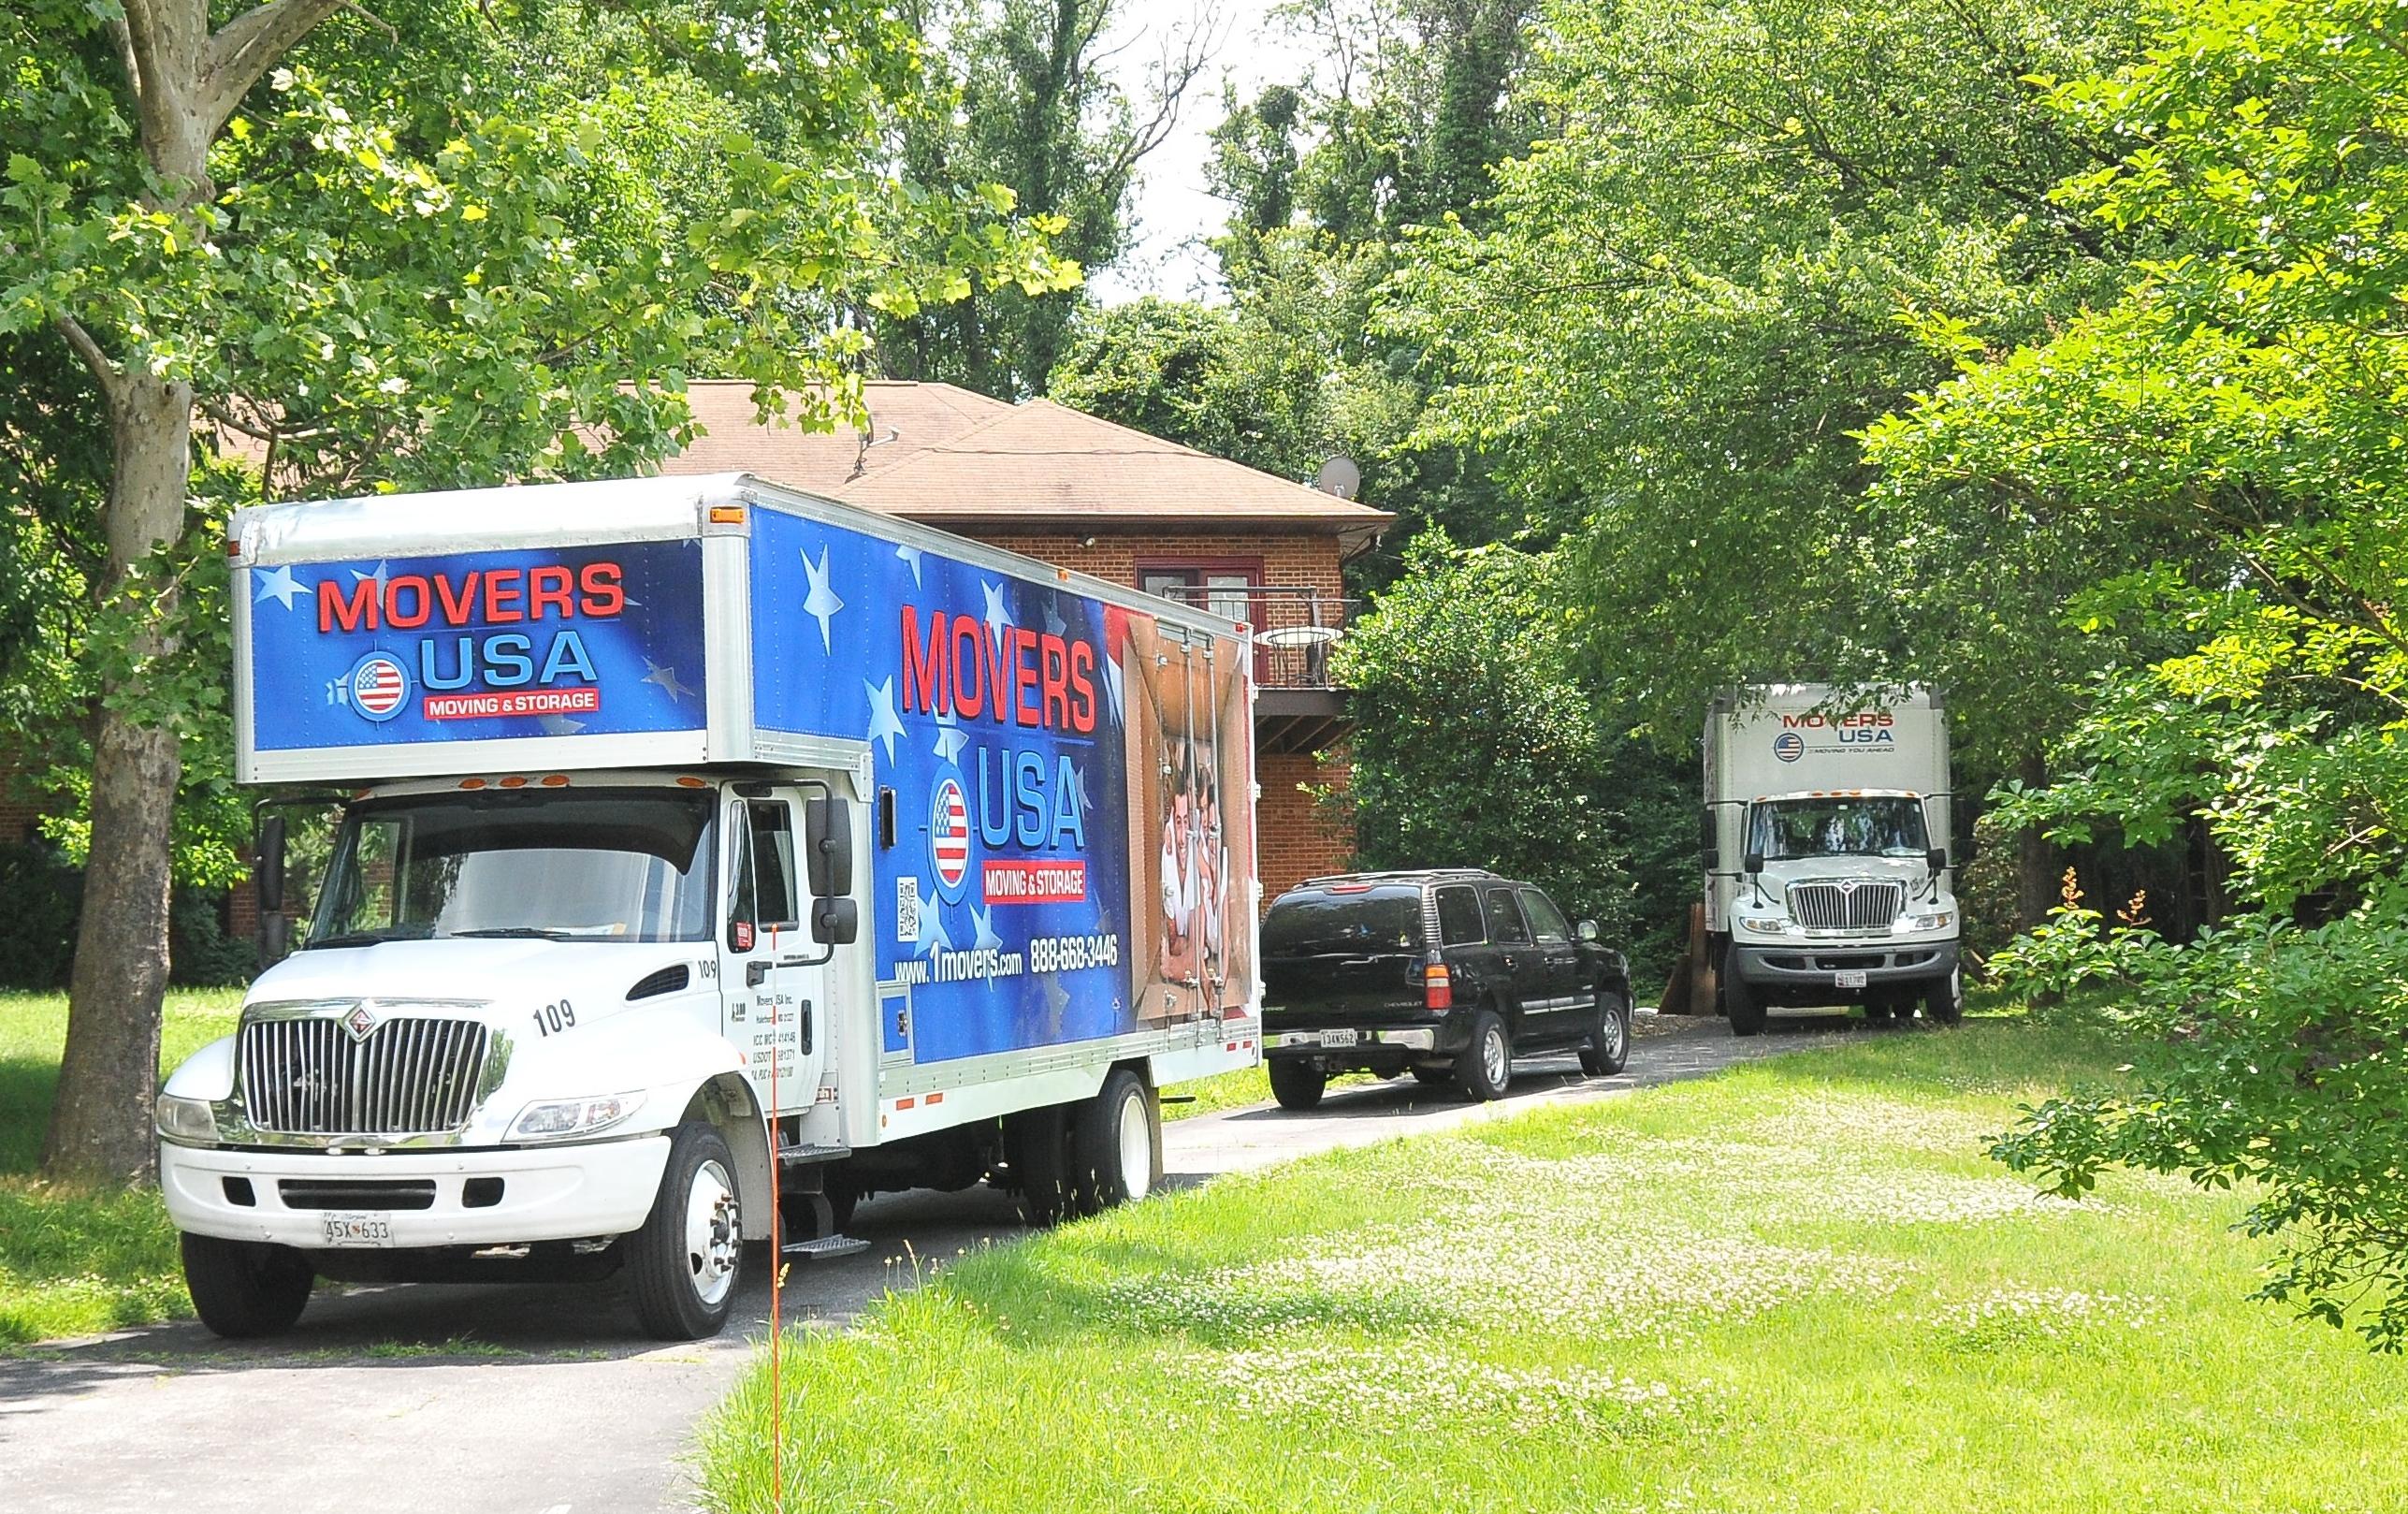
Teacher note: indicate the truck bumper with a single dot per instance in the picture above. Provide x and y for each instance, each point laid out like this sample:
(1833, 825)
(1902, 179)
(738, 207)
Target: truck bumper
(1817, 963)
(548, 1193)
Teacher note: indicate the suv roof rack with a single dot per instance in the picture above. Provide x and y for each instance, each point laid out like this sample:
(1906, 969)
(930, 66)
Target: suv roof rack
(1399, 875)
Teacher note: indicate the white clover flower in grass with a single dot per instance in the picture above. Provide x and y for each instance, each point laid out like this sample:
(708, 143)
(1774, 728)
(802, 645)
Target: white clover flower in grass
(1379, 1390)
(2008, 1316)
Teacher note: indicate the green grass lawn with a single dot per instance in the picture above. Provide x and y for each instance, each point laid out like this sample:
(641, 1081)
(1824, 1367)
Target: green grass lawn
(1795, 1286)
(75, 1261)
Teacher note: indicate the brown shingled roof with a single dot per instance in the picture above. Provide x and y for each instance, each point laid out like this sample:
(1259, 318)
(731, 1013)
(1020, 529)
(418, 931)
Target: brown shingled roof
(949, 457)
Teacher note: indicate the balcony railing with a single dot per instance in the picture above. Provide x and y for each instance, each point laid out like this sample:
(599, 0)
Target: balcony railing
(1295, 627)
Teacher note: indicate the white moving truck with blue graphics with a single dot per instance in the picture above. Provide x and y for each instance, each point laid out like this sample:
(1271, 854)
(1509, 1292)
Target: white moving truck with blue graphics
(709, 853)
(1827, 852)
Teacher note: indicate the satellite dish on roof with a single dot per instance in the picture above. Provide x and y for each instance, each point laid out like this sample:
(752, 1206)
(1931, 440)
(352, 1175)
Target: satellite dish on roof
(1339, 477)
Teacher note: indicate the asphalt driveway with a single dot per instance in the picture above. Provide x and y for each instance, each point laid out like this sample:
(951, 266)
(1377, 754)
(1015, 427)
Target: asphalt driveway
(544, 1400)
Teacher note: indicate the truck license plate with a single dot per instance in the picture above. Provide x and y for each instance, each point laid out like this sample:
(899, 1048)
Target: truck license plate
(1847, 980)
(357, 1230)
(1338, 1038)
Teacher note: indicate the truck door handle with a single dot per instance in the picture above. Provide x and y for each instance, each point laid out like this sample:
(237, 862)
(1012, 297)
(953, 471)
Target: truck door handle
(756, 973)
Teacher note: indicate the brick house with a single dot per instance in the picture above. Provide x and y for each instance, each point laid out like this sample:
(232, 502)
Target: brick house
(1101, 499)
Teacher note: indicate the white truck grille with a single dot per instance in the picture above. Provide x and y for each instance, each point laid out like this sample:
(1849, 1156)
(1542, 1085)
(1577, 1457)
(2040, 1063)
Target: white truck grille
(408, 1076)
(1867, 908)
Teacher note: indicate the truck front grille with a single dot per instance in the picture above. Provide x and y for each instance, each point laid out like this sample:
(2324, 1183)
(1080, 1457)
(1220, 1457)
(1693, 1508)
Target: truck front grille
(409, 1076)
(1864, 907)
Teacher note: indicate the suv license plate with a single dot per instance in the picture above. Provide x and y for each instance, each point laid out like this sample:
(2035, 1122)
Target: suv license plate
(357, 1230)
(1847, 980)
(1338, 1038)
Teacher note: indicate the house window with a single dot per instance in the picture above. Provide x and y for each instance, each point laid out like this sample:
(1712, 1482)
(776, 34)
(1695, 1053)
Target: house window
(1221, 585)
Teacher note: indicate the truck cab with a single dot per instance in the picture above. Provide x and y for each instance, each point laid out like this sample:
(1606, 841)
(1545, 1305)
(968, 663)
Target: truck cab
(1825, 887)
(710, 856)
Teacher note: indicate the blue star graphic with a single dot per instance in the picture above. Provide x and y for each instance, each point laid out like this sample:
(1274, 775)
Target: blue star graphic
(911, 556)
(985, 920)
(378, 577)
(998, 617)
(822, 603)
(279, 586)
(950, 739)
(1113, 681)
(1054, 624)
(667, 678)
(885, 725)
(932, 927)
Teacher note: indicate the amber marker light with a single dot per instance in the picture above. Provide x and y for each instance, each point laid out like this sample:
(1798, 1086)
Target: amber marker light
(556, 781)
(727, 514)
(471, 784)
(516, 780)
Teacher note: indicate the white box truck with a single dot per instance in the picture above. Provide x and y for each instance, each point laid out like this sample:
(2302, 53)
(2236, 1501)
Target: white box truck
(708, 851)
(1827, 852)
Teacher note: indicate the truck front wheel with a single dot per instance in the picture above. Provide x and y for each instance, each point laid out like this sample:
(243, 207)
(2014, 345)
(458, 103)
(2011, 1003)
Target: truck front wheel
(1940, 1006)
(1739, 1000)
(246, 1288)
(685, 1264)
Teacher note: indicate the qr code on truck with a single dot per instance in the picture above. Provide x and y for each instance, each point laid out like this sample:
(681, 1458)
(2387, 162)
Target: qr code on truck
(907, 909)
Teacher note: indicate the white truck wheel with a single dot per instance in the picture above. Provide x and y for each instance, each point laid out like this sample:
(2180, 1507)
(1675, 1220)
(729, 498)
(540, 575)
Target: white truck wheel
(1117, 1144)
(684, 1265)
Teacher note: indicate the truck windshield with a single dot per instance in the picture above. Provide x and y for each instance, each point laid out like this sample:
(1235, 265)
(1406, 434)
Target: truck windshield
(1887, 826)
(605, 865)
(1349, 919)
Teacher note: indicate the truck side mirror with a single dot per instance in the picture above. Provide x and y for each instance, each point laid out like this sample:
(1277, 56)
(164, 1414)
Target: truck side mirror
(268, 866)
(828, 848)
(1752, 862)
(835, 922)
(1937, 857)
(1588, 929)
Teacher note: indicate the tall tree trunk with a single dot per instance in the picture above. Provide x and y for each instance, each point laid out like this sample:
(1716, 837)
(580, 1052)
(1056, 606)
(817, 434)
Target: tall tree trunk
(100, 1126)
(2035, 858)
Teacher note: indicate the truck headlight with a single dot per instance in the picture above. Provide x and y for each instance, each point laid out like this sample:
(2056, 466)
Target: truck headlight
(1937, 920)
(188, 1120)
(1764, 925)
(554, 1119)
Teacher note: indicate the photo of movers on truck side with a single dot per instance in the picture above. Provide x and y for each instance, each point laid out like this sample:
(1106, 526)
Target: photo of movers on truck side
(709, 850)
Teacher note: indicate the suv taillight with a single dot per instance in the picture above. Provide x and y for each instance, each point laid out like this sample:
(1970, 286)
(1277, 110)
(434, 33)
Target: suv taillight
(1437, 986)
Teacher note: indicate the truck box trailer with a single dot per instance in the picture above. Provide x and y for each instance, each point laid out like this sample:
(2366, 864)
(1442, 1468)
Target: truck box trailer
(708, 851)
(1826, 852)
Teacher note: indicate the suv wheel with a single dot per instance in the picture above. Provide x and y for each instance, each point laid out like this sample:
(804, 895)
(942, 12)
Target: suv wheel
(1485, 1068)
(1608, 1051)
(1297, 1082)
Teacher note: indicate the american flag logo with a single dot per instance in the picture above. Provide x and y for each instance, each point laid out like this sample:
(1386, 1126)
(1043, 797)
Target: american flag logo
(378, 687)
(949, 835)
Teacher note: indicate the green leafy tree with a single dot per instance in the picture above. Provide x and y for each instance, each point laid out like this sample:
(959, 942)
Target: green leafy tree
(363, 275)
(1474, 748)
(1035, 107)
(2243, 395)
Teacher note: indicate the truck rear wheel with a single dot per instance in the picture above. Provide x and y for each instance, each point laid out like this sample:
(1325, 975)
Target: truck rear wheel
(1117, 1144)
(685, 1264)
(1739, 1001)
(1037, 1146)
(246, 1288)
(1298, 1082)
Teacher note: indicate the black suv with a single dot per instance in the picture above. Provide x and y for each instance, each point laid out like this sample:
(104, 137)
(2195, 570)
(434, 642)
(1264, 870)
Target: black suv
(1448, 974)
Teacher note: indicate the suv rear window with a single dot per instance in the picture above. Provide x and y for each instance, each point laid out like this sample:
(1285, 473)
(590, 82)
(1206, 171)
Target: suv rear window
(1459, 915)
(1383, 918)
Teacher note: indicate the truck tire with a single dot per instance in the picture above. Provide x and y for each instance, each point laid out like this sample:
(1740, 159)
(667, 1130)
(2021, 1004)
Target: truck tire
(1739, 1000)
(1037, 1146)
(1940, 1006)
(1298, 1082)
(1485, 1068)
(242, 1289)
(1607, 1051)
(685, 1263)
(1116, 1144)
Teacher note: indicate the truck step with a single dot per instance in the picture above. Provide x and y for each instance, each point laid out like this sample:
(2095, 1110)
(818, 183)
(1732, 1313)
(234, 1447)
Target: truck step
(825, 1247)
(791, 1155)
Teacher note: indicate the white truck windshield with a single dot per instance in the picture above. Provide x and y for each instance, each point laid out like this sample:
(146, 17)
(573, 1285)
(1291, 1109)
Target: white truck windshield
(608, 865)
(1887, 826)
